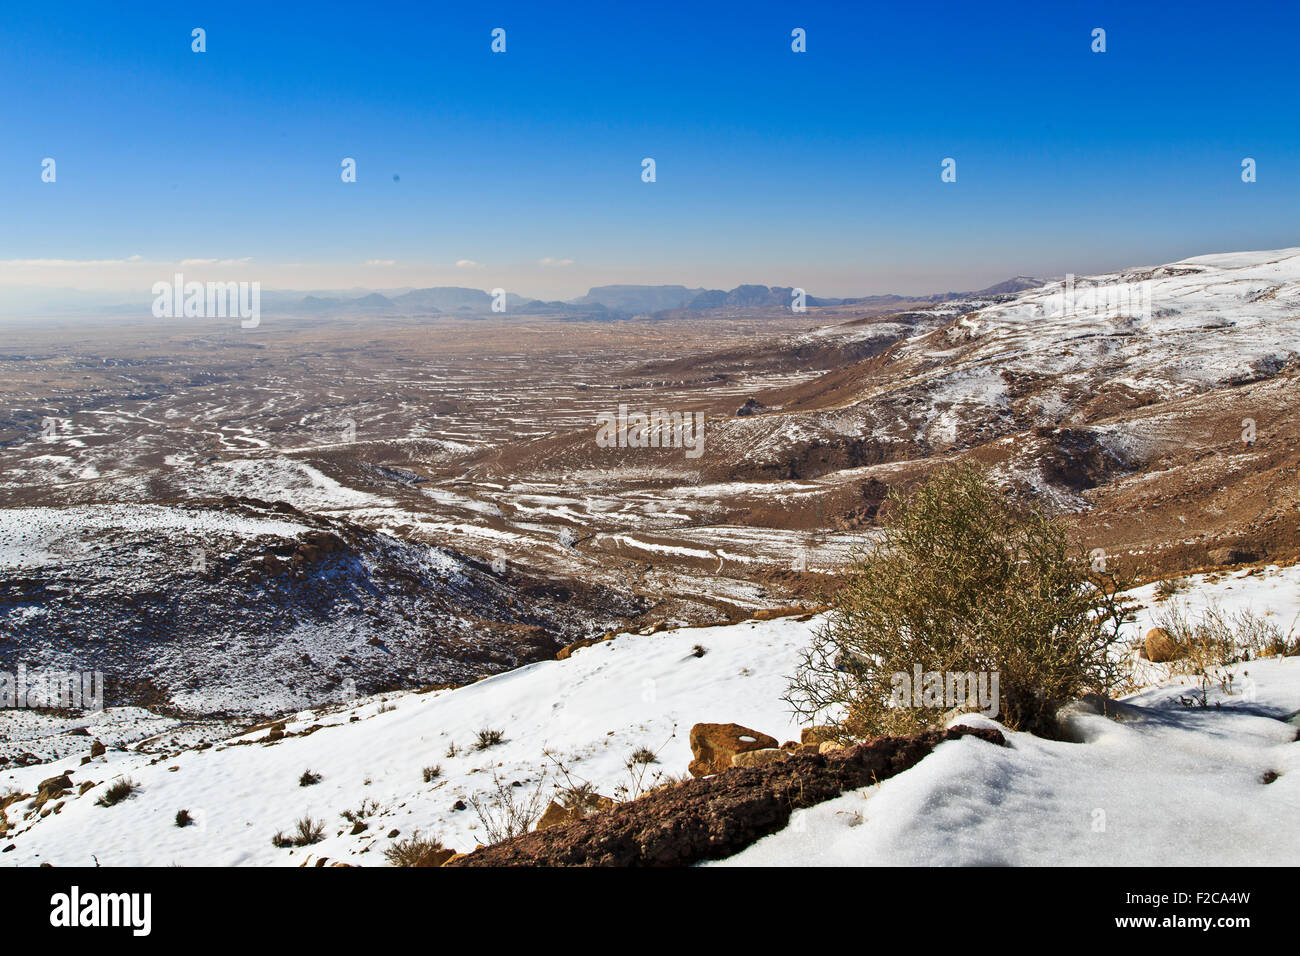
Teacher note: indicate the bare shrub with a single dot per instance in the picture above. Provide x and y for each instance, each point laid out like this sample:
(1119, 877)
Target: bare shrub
(306, 832)
(183, 818)
(368, 808)
(509, 811)
(431, 773)
(1168, 587)
(415, 851)
(963, 581)
(489, 738)
(309, 779)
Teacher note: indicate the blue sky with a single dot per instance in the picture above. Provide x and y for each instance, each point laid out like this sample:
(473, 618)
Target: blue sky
(818, 169)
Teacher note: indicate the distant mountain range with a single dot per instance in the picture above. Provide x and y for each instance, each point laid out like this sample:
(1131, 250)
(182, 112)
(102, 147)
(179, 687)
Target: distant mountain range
(601, 302)
(610, 301)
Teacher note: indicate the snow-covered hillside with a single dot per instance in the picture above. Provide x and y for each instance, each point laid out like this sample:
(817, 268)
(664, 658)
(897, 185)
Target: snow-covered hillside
(1073, 351)
(1163, 778)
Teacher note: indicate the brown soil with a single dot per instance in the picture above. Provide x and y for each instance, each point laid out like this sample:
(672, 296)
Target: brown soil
(719, 816)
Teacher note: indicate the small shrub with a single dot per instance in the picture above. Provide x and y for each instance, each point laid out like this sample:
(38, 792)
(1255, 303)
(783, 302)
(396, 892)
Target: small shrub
(309, 779)
(385, 708)
(1168, 587)
(308, 831)
(281, 841)
(489, 738)
(118, 792)
(508, 811)
(415, 851)
(964, 582)
(453, 751)
(643, 755)
(698, 650)
(367, 808)
(183, 818)
(431, 773)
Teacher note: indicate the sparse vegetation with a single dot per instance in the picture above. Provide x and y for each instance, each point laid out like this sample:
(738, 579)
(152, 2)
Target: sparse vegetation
(453, 751)
(509, 811)
(1168, 587)
(699, 650)
(489, 738)
(306, 832)
(183, 818)
(431, 773)
(416, 851)
(368, 808)
(117, 792)
(1212, 644)
(309, 779)
(963, 581)
(640, 780)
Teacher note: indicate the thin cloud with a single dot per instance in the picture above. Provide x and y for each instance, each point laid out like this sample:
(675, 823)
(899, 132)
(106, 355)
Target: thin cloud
(76, 263)
(553, 263)
(468, 264)
(381, 262)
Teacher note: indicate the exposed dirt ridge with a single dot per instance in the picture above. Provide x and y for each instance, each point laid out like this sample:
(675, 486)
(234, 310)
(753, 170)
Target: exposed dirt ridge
(716, 817)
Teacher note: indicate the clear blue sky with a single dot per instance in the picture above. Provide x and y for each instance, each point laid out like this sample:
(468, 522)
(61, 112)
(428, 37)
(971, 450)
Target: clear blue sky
(818, 169)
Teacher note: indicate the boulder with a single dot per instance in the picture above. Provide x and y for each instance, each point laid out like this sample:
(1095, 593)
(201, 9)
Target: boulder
(1161, 646)
(758, 758)
(54, 786)
(716, 745)
(827, 746)
(97, 749)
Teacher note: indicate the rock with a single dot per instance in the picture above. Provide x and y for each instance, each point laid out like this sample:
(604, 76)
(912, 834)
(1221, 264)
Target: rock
(817, 733)
(752, 406)
(97, 749)
(359, 827)
(554, 816)
(394, 833)
(715, 745)
(828, 746)
(557, 814)
(84, 786)
(1160, 646)
(54, 786)
(757, 758)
